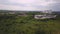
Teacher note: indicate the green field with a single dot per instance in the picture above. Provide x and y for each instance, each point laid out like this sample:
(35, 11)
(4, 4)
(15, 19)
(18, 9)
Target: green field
(14, 24)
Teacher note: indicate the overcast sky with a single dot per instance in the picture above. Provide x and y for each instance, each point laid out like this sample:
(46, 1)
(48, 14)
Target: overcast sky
(30, 5)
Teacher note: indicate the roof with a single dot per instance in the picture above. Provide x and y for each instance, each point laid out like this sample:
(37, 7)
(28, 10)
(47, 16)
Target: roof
(44, 16)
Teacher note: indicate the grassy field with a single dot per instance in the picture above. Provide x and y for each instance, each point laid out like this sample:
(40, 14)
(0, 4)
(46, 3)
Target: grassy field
(14, 24)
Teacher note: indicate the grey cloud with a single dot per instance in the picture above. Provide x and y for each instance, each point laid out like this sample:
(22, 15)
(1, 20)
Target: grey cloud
(58, 1)
(54, 6)
(6, 2)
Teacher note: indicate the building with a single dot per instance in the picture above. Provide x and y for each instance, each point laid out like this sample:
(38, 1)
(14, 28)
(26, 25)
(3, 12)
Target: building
(47, 11)
(22, 14)
(44, 16)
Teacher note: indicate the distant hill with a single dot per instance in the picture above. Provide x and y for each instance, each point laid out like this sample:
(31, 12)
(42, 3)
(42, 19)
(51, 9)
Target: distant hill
(5, 11)
(57, 12)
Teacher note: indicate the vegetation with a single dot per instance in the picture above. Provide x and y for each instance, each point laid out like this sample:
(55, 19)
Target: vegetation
(14, 24)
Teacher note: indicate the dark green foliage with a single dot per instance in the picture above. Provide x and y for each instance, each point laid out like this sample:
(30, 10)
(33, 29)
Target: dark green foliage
(13, 24)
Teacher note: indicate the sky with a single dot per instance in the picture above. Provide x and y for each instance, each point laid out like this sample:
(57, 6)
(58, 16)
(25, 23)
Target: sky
(30, 5)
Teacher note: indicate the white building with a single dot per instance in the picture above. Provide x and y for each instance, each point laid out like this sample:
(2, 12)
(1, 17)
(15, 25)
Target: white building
(44, 16)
